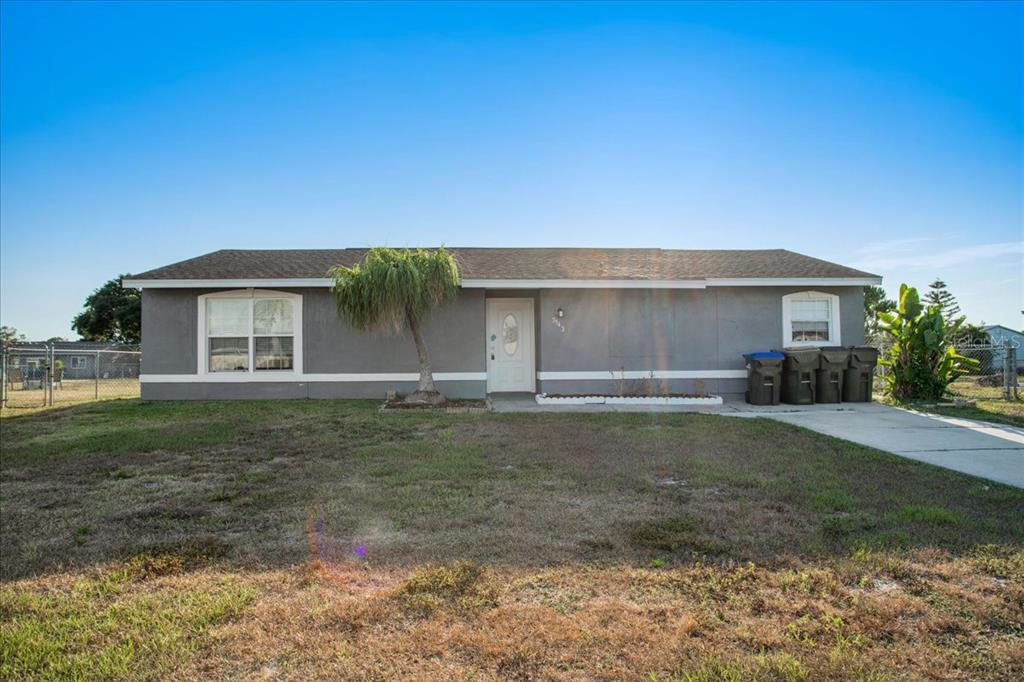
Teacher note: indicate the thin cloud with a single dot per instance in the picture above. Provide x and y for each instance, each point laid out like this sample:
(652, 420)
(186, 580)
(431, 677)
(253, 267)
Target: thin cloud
(918, 258)
(891, 245)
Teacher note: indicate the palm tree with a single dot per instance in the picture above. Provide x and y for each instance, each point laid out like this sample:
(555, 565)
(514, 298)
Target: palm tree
(393, 290)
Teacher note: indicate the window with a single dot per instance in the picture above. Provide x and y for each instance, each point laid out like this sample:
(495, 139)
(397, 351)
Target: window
(77, 362)
(249, 331)
(510, 334)
(810, 318)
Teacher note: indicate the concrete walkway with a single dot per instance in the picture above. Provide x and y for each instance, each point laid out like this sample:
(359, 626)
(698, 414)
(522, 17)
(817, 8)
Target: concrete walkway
(982, 449)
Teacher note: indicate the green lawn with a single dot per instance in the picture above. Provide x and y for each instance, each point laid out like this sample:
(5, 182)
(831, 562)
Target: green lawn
(988, 403)
(305, 539)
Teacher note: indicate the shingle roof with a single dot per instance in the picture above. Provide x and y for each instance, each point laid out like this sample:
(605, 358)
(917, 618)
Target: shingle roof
(521, 263)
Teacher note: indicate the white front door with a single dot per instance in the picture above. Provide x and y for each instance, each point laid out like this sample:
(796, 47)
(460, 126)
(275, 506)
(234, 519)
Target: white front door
(510, 344)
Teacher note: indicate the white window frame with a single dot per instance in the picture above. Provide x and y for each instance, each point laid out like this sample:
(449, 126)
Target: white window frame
(834, 336)
(78, 362)
(203, 354)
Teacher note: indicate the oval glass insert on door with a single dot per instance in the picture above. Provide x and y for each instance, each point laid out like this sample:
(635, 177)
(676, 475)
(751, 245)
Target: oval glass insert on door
(510, 334)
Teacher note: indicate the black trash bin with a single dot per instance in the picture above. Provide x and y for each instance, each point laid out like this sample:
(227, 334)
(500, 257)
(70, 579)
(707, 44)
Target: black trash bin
(798, 375)
(764, 377)
(857, 380)
(832, 366)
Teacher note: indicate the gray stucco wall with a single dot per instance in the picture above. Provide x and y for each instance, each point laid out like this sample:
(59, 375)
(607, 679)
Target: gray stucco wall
(169, 319)
(604, 330)
(454, 335)
(276, 390)
(670, 329)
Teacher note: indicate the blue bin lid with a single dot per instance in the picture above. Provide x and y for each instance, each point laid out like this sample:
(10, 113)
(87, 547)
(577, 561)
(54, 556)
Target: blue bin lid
(766, 355)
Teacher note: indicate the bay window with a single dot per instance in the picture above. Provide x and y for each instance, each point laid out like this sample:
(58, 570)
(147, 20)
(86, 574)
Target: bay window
(810, 318)
(250, 331)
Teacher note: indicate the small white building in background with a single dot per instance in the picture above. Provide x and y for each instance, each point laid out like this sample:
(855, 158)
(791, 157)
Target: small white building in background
(999, 334)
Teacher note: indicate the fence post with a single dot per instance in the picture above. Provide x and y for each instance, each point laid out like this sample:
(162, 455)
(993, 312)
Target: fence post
(1008, 370)
(96, 374)
(50, 369)
(1014, 393)
(3, 379)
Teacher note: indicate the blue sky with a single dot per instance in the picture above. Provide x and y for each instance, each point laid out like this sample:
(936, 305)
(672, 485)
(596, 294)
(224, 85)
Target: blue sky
(884, 136)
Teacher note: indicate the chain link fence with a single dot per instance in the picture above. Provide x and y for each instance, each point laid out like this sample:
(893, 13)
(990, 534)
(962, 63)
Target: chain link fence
(42, 375)
(997, 375)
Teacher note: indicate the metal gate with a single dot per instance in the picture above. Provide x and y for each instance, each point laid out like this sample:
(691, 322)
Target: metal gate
(40, 375)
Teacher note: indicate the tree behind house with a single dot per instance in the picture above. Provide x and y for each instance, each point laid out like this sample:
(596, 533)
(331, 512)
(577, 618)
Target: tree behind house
(112, 314)
(9, 336)
(394, 290)
(938, 294)
(875, 302)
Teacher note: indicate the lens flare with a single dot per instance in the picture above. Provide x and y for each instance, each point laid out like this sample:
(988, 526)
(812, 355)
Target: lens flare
(344, 561)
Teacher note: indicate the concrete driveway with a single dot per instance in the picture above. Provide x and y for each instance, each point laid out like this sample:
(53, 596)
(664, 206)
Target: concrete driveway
(991, 451)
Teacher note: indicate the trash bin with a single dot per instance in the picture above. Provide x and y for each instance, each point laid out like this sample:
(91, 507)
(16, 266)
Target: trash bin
(832, 365)
(858, 378)
(764, 377)
(798, 375)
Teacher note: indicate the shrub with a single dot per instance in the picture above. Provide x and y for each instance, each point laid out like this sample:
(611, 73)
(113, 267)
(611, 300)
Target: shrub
(922, 359)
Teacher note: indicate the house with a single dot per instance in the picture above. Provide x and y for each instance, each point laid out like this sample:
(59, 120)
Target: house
(263, 324)
(999, 335)
(78, 359)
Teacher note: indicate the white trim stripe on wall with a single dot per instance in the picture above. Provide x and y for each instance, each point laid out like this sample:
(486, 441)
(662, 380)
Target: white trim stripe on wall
(278, 376)
(641, 374)
(524, 283)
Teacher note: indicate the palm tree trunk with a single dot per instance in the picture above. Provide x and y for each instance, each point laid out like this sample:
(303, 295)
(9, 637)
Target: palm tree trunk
(425, 390)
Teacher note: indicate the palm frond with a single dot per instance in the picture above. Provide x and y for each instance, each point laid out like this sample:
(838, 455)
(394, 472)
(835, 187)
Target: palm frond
(393, 286)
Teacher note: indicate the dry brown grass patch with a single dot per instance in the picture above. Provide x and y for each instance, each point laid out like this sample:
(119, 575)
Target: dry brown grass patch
(686, 623)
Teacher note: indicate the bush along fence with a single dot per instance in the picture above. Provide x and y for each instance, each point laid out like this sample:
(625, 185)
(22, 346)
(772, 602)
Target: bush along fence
(45, 374)
(928, 357)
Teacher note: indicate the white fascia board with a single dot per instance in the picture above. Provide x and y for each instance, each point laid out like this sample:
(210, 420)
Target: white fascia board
(466, 283)
(644, 374)
(224, 283)
(284, 376)
(582, 284)
(520, 283)
(792, 281)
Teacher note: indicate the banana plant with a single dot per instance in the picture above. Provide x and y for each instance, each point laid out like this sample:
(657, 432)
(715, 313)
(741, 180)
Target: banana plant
(921, 358)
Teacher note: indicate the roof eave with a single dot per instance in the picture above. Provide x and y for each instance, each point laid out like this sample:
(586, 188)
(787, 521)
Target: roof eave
(493, 283)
